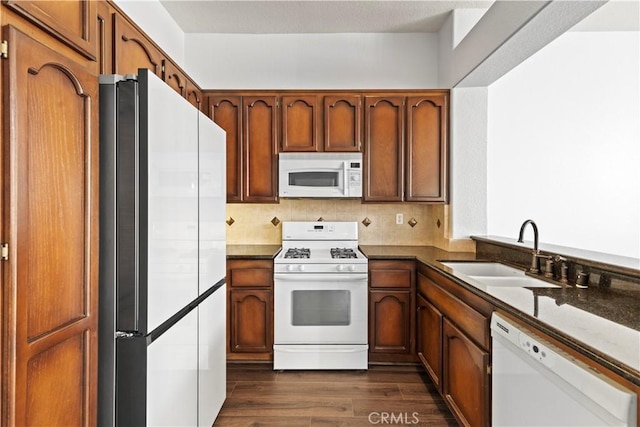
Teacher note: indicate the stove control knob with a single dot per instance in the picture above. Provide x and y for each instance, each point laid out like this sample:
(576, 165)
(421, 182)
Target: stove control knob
(340, 267)
(352, 268)
(301, 267)
(289, 267)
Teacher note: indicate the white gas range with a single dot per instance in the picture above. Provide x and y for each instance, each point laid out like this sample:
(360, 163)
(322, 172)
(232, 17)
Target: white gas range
(320, 305)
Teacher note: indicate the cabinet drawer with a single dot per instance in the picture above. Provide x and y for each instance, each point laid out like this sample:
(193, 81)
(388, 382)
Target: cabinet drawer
(390, 278)
(383, 274)
(473, 323)
(255, 274)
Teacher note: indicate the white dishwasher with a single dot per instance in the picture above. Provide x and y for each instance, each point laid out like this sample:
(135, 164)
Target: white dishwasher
(536, 384)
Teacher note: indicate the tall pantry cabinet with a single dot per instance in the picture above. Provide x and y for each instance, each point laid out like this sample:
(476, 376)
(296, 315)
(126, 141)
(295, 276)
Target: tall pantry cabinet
(52, 53)
(49, 222)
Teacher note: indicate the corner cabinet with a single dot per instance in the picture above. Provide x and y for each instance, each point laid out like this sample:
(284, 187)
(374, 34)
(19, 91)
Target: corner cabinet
(391, 307)
(250, 309)
(252, 131)
(406, 147)
(453, 345)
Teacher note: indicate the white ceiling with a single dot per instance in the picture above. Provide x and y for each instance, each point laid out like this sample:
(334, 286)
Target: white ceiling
(355, 16)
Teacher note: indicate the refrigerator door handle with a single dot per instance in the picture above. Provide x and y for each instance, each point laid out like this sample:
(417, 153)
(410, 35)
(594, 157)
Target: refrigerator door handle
(127, 335)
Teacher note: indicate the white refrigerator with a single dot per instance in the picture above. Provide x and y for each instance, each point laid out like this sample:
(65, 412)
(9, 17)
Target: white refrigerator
(162, 333)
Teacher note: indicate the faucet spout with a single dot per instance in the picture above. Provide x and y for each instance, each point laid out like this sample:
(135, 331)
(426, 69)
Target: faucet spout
(535, 233)
(535, 261)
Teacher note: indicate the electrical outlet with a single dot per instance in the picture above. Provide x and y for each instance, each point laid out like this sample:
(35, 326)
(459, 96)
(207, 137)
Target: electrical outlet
(399, 218)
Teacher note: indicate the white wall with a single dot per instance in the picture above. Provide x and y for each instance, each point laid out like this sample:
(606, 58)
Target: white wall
(564, 144)
(154, 20)
(313, 61)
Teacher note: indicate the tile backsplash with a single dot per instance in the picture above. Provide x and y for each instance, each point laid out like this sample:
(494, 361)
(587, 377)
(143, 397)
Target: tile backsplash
(253, 222)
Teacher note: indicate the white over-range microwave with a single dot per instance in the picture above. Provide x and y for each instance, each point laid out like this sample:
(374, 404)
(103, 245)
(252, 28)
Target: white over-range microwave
(322, 175)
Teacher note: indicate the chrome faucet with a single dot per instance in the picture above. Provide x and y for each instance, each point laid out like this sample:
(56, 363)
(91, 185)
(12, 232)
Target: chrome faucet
(535, 260)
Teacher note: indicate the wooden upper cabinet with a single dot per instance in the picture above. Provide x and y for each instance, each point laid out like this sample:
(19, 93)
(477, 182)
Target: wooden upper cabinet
(133, 50)
(105, 38)
(226, 111)
(342, 122)
(260, 149)
(194, 95)
(174, 77)
(300, 123)
(383, 148)
(50, 280)
(72, 21)
(426, 154)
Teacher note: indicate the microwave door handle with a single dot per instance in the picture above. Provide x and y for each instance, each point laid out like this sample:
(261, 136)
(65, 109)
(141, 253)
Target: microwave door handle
(345, 179)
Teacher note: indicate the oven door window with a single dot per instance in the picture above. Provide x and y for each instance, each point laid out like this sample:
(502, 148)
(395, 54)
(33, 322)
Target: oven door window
(321, 308)
(315, 179)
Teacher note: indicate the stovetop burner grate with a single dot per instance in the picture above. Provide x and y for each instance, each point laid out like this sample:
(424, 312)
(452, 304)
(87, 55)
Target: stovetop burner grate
(298, 253)
(343, 253)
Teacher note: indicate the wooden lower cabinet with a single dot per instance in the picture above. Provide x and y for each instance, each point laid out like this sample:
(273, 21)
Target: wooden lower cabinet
(466, 386)
(453, 345)
(250, 309)
(391, 308)
(390, 322)
(429, 342)
(250, 320)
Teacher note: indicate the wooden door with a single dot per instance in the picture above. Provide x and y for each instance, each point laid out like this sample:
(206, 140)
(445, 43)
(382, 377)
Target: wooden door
(390, 321)
(194, 95)
(50, 222)
(132, 50)
(426, 162)
(105, 38)
(174, 77)
(251, 320)
(429, 345)
(260, 149)
(466, 379)
(226, 111)
(342, 122)
(383, 149)
(72, 21)
(299, 123)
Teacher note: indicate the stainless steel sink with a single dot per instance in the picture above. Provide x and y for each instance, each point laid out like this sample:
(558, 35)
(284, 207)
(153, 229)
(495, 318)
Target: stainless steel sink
(485, 275)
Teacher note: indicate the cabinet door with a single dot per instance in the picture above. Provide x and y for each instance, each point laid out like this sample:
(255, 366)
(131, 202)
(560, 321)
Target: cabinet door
(466, 378)
(174, 77)
(105, 38)
(429, 345)
(251, 323)
(299, 123)
(342, 123)
(72, 21)
(389, 322)
(226, 111)
(50, 280)
(383, 149)
(194, 95)
(132, 50)
(260, 146)
(426, 159)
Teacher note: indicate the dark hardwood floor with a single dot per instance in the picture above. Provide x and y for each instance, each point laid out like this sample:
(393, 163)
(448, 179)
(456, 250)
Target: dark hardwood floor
(382, 395)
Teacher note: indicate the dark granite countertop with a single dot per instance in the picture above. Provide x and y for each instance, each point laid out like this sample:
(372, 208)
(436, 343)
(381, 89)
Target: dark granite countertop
(252, 251)
(602, 324)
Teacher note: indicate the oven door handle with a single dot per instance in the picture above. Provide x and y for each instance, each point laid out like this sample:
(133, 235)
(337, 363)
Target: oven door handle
(309, 277)
(316, 349)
